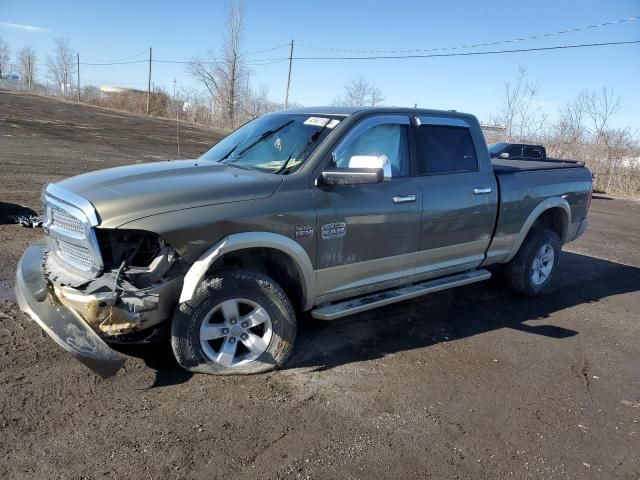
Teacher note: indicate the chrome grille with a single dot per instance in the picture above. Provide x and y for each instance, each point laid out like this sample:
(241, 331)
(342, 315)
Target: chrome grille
(74, 253)
(63, 220)
(68, 222)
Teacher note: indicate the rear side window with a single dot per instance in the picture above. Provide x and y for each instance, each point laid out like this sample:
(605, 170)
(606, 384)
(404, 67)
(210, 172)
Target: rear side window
(514, 152)
(445, 149)
(533, 153)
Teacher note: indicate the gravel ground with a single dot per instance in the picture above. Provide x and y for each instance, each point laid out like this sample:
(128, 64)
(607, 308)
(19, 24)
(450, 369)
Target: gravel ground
(472, 383)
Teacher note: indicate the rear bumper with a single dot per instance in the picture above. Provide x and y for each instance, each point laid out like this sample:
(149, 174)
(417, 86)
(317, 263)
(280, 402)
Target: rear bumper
(62, 324)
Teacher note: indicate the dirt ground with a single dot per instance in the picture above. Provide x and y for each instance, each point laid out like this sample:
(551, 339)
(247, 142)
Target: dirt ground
(469, 383)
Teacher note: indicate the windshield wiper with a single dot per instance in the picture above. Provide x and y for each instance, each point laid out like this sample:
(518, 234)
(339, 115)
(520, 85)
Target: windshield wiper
(226, 155)
(312, 139)
(262, 137)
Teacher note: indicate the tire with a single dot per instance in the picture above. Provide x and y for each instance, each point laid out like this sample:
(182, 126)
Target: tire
(262, 325)
(525, 273)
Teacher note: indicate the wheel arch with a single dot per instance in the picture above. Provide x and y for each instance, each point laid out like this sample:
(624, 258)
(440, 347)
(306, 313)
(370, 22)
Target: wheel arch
(245, 248)
(553, 213)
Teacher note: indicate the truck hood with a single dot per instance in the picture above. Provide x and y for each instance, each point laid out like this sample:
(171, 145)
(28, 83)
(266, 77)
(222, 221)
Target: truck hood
(123, 194)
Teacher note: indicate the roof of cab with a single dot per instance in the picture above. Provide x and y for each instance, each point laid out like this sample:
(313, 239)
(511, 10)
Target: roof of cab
(347, 111)
(344, 111)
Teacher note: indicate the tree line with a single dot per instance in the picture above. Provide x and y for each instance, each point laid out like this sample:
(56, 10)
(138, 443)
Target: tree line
(582, 130)
(224, 97)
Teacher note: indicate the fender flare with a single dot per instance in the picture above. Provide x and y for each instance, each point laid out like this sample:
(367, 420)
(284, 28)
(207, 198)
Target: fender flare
(245, 240)
(553, 202)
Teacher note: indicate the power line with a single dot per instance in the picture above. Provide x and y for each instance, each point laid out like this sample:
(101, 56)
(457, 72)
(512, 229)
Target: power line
(485, 44)
(131, 57)
(114, 83)
(119, 61)
(269, 61)
(265, 50)
(113, 63)
(129, 60)
(466, 54)
(255, 62)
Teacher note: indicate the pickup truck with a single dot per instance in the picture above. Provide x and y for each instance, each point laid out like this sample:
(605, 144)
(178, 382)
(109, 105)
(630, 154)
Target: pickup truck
(517, 151)
(331, 211)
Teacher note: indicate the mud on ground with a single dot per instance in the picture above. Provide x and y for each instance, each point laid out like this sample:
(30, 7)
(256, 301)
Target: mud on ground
(472, 383)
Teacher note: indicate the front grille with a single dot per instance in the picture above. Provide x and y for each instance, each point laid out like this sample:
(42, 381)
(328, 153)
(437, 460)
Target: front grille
(64, 221)
(75, 254)
(68, 221)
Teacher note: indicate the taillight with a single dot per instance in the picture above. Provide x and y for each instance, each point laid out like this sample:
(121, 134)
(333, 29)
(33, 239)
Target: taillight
(590, 196)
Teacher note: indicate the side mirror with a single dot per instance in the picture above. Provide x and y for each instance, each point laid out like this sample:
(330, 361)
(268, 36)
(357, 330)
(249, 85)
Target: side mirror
(504, 155)
(372, 161)
(352, 176)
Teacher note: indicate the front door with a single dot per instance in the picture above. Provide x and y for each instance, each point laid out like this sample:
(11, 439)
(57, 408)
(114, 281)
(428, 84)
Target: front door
(368, 235)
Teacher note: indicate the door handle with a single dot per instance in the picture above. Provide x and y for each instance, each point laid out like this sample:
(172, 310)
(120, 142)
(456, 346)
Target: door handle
(482, 190)
(404, 198)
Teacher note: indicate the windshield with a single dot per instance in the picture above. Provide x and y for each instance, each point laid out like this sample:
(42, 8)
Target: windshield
(275, 143)
(496, 147)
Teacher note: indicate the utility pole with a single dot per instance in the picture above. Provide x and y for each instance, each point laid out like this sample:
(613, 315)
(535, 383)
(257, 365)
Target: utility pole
(78, 58)
(175, 105)
(286, 97)
(29, 74)
(149, 84)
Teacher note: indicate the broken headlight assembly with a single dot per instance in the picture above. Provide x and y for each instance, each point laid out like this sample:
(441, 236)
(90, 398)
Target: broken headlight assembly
(138, 288)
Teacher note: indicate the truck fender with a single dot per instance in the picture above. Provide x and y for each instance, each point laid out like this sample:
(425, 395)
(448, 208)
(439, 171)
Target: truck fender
(543, 206)
(245, 240)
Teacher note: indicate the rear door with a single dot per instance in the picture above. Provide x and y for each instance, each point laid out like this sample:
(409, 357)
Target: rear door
(533, 153)
(459, 199)
(515, 152)
(368, 235)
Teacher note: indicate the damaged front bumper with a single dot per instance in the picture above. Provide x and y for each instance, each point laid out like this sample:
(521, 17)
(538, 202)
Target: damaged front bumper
(61, 323)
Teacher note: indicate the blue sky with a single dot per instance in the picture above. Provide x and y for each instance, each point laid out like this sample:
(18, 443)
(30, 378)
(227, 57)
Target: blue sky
(105, 31)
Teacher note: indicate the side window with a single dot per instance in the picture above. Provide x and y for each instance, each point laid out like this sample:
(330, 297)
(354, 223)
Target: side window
(376, 137)
(445, 149)
(532, 153)
(514, 152)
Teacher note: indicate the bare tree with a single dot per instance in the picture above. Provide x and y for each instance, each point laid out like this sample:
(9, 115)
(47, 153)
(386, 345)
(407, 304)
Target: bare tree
(193, 104)
(359, 92)
(27, 65)
(584, 132)
(61, 64)
(521, 112)
(600, 107)
(4, 58)
(257, 102)
(375, 96)
(571, 119)
(224, 77)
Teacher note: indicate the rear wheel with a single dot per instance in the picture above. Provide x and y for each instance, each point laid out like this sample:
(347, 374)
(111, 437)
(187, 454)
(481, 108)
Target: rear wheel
(532, 269)
(238, 322)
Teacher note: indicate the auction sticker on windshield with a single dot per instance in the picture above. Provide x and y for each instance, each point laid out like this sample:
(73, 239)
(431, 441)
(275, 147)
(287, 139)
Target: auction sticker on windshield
(321, 122)
(316, 121)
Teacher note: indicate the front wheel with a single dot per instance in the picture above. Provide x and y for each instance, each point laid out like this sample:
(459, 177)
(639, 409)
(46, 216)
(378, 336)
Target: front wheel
(532, 269)
(238, 322)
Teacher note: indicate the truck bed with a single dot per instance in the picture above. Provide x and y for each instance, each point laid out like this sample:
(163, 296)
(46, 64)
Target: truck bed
(513, 166)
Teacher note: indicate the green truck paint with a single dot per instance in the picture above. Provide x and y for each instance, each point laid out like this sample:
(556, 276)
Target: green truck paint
(128, 245)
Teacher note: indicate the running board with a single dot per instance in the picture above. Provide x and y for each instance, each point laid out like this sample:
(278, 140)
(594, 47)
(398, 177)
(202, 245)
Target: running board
(375, 300)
